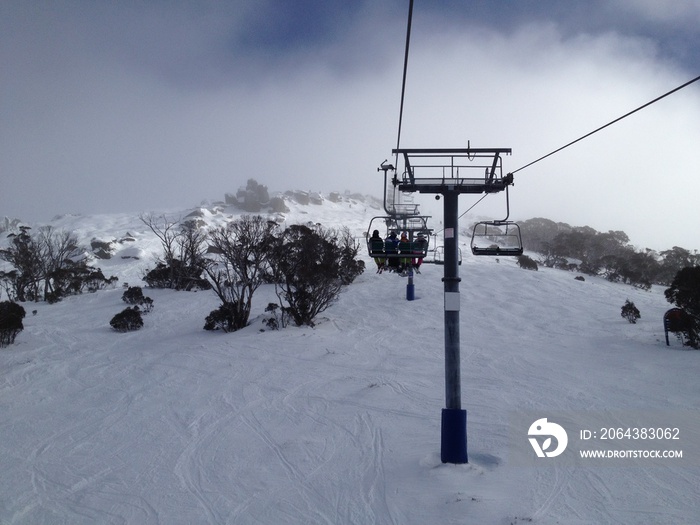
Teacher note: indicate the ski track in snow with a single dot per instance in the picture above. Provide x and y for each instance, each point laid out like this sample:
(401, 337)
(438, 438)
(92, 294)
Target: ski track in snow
(339, 423)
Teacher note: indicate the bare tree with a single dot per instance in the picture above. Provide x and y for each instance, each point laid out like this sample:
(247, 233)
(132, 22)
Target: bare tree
(58, 250)
(166, 231)
(238, 267)
(191, 246)
(182, 264)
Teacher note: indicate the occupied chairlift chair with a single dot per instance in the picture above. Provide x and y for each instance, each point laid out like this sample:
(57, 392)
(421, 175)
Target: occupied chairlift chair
(401, 218)
(415, 227)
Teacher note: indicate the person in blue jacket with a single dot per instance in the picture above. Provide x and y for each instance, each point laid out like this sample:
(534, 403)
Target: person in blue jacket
(391, 247)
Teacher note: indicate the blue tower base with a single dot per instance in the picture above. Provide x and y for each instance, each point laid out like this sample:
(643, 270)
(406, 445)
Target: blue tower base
(410, 292)
(454, 436)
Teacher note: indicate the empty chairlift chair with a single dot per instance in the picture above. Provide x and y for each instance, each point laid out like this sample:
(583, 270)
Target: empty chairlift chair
(496, 238)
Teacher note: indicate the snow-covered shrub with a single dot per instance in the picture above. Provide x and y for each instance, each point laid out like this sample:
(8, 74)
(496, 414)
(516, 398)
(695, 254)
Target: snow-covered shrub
(222, 318)
(11, 315)
(630, 312)
(310, 267)
(128, 320)
(527, 263)
(273, 323)
(134, 295)
(684, 292)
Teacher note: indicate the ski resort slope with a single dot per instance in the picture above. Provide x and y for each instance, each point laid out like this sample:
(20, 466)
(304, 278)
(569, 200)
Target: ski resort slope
(339, 423)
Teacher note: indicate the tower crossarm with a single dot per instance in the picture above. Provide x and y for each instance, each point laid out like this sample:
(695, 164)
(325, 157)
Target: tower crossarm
(465, 170)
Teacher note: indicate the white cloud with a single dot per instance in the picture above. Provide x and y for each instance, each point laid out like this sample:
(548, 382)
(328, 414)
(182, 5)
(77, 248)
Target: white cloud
(98, 131)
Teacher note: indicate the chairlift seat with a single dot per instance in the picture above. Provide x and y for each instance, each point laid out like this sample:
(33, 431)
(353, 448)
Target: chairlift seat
(497, 250)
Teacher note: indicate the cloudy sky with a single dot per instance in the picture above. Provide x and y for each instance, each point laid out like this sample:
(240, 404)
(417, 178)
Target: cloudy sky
(155, 105)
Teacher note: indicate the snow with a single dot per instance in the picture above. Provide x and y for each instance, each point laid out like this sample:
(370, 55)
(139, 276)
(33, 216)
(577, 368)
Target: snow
(339, 423)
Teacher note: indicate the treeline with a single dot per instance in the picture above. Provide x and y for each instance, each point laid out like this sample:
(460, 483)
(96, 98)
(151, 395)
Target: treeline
(608, 254)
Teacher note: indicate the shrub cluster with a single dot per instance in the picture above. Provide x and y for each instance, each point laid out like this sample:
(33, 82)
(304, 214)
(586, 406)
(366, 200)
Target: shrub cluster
(11, 315)
(223, 318)
(309, 266)
(527, 263)
(48, 265)
(127, 320)
(131, 319)
(134, 295)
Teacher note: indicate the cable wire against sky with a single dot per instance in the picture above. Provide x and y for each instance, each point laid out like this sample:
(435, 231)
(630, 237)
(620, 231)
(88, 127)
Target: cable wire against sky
(403, 91)
(586, 136)
(608, 124)
(405, 68)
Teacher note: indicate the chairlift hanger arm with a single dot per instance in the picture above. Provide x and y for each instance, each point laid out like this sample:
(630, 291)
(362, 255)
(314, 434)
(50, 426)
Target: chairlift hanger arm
(409, 168)
(492, 174)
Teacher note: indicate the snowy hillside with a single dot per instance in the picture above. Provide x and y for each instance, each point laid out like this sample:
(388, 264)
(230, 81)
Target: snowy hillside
(340, 423)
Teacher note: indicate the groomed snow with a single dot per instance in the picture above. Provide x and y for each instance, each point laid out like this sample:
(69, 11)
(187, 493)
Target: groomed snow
(339, 423)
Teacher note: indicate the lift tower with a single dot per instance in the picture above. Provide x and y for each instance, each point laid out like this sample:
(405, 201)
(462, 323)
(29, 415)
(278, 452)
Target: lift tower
(451, 172)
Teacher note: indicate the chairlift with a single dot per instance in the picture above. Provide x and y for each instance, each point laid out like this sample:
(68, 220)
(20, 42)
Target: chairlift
(439, 256)
(380, 244)
(497, 237)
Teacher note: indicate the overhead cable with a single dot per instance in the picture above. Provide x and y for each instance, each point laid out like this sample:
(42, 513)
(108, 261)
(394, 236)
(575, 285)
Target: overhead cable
(405, 68)
(608, 124)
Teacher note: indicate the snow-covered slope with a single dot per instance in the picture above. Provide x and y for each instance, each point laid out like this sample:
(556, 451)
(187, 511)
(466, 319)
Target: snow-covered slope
(339, 423)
